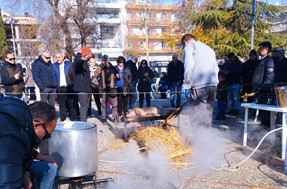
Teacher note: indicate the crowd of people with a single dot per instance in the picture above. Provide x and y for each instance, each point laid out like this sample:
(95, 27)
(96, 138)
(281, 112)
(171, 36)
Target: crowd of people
(74, 84)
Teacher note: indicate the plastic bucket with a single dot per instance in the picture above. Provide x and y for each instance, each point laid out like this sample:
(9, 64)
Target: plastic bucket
(281, 96)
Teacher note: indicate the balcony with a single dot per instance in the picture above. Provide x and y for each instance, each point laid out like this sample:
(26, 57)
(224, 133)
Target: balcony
(152, 7)
(152, 22)
(150, 37)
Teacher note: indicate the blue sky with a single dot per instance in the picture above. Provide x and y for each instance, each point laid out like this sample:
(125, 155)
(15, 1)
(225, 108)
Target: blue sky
(5, 5)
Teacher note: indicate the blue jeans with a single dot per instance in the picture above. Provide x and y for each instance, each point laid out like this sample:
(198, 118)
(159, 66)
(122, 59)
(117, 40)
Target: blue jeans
(45, 173)
(221, 108)
(175, 89)
(233, 95)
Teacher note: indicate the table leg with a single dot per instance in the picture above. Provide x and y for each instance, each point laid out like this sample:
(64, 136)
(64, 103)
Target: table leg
(272, 126)
(245, 126)
(284, 135)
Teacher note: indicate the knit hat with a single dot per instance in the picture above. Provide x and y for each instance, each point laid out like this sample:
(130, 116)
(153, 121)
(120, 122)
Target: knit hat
(106, 57)
(85, 51)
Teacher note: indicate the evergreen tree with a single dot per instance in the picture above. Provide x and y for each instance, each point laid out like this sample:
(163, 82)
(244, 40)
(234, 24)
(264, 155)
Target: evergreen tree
(226, 25)
(3, 45)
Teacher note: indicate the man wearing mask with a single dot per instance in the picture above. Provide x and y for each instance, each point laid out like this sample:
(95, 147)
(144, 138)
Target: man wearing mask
(44, 77)
(82, 80)
(12, 76)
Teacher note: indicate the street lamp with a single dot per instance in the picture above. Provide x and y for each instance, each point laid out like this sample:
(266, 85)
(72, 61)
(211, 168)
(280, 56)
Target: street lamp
(13, 39)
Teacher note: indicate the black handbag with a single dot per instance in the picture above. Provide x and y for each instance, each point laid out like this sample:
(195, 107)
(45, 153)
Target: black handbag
(265, 94)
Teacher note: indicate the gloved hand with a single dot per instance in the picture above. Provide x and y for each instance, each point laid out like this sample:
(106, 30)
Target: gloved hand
(187, 93)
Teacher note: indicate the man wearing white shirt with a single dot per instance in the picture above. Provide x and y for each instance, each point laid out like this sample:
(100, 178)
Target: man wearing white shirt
(201, 77)
(65, 99)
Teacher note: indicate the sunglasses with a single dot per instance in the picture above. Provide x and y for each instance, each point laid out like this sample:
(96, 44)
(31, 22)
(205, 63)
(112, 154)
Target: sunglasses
(48, 58)
(12, 59)
(47, 134)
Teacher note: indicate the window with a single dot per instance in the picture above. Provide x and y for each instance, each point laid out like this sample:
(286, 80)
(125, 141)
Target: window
(163, 16)
(149, 31)
(163, 30)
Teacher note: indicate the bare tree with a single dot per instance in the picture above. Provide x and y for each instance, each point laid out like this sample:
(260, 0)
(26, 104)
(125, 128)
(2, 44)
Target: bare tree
(66, 20)
(29, 44)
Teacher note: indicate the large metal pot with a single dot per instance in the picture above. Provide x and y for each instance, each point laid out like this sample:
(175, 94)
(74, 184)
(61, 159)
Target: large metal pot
(73, 145)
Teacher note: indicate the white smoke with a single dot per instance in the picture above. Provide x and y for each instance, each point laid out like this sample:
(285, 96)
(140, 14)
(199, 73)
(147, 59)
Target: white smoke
(143, 170)
(208, 144)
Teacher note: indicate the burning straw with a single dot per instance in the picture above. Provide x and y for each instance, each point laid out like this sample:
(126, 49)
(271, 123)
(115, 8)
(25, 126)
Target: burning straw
(168, 142)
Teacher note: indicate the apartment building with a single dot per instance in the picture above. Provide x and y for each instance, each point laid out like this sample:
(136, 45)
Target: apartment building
(21, 32)
(124, 28)
(148, 28)
(110, 29)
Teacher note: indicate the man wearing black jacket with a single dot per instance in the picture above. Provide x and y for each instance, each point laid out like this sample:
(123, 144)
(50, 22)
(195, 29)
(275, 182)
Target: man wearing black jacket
(12, 76)
(82, 81)
(21, 130)
(264, 74)
(175, 74)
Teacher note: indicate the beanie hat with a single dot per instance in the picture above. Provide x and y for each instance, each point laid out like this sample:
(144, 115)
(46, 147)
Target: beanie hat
(106, 57)
(85, 51)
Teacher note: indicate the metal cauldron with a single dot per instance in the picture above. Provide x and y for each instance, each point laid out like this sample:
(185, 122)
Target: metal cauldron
(73, 145)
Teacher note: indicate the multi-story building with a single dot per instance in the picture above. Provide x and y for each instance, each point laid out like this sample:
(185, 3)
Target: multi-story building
(121, 29)
(21, 32)
(148, 28)
(125, 28)
(110, 29)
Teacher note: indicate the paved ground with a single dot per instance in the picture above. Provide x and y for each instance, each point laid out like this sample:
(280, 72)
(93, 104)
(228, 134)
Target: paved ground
(212, 163)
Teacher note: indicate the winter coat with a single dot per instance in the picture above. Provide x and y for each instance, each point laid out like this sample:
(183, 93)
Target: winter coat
(248, 69)
(145, 82)
(43, 74)
(130, 76)
(234, 71)
(107, 76)
(175, 72)
(29, 81)
(12, 86)
(82, 78)
(17, 139)
(163, 84)
(222, 91)
(56, 67)
(264, 73)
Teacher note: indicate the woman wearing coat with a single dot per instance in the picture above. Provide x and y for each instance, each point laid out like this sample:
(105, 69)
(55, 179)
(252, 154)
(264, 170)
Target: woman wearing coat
(144, 85)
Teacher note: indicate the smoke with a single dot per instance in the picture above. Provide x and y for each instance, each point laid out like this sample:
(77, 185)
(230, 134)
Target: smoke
(208, 144)
(152, 169)
(143, 170)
